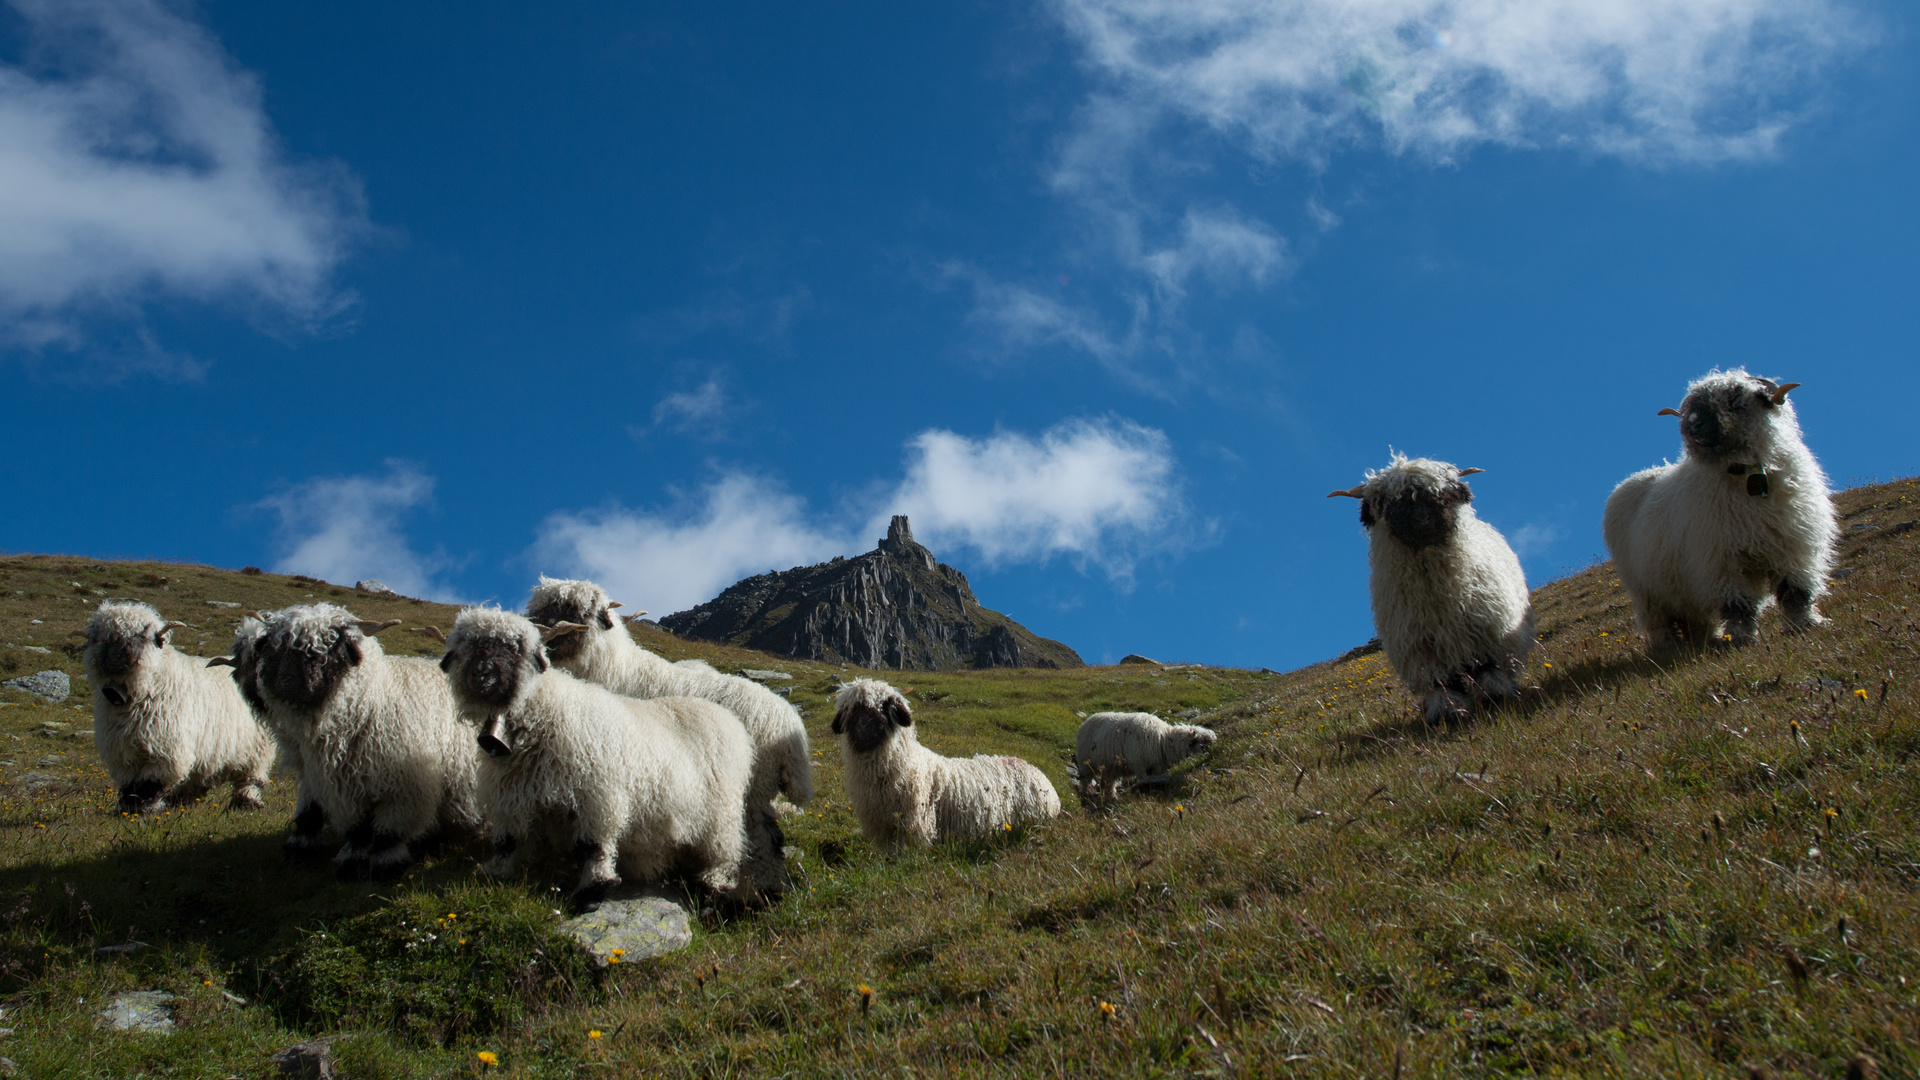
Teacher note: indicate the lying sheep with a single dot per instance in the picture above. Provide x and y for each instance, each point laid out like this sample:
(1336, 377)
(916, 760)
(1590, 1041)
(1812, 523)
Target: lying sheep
(166, 728)
(904, 793)
(630, 784)
(1742, 520)
(594, 645)
(309, 818)
(377, 741)
(1138, 744)
(1449, 598)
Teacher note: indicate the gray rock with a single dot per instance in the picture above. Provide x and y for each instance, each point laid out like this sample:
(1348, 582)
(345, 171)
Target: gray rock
(637, 929)
(223, 603)
(312, 1060)
(1136, 658)
(139, 1010)
(763, 676)
(41, 649)
(52, 685)
(375, 587)
(34, 781)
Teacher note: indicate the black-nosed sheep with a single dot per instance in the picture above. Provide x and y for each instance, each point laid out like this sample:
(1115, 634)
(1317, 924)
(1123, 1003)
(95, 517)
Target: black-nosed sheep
(602, 651)
(1110, 745)
(1743, 519)
(309, 818)
(166, 728)
(1449, 598)
(903, 793)
(631, 785)
(379, 746)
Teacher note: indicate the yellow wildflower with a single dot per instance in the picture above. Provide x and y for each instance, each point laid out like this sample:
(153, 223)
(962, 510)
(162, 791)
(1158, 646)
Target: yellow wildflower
(1861, 694)
(1106, 1008)
(594, 1034)
(488, 1058)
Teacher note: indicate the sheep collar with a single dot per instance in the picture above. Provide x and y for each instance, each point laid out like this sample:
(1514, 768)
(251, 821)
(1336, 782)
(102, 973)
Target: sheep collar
(1756, 475)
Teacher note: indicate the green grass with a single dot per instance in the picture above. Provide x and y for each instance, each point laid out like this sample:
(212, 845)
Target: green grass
(1640, 870)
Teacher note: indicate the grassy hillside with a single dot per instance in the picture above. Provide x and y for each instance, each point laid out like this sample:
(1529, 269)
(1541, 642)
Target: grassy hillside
(1702, 865)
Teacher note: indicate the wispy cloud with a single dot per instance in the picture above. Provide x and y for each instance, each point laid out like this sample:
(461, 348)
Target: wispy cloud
(1531, 540)
(1700, 80)
(136, 163)
(681, 410)
(1100, 492)
(348, 528)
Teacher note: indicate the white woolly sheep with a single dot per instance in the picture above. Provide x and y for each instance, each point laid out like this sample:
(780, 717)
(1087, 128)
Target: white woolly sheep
(904, 793)
(1449, 598)
(1110, 744)
(378, 744)
(309, 818)
(166, 728)
(1741, 520)
(602, 651)
(633, 784)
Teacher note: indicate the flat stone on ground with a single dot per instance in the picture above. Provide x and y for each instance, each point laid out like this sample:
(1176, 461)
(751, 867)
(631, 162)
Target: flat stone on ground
(763, 676)
(374, 586)
(639, 928)
(52, 685)
(139, 1010)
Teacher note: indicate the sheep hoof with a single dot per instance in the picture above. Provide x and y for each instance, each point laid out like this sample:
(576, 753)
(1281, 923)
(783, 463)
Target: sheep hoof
(246, 800)
(589, 897)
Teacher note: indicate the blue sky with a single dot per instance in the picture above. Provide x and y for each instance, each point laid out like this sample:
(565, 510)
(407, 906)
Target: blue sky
(1106, 294)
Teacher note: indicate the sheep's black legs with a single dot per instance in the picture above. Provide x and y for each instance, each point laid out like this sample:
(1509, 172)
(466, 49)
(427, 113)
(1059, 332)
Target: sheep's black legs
(351, 864)
(597, 875)
(1743, 620)
(304, 841)
(387, 857)
(1796, 605)
(142, 797)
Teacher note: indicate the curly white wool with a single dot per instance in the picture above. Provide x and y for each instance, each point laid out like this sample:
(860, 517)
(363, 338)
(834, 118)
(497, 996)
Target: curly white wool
(903, 793)
(1700, 545)
(1453, 611)
(632, 784)
(605, 653)
(378, 744)
(165, 727)
(1110, 744)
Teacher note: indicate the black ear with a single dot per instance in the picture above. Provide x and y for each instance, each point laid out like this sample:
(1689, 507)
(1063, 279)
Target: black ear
(1366, 514)
(1456, 494)
(606, 619)
(839, 723)
(351, 646)
(446, 663)
(898, 713)
(540, 660)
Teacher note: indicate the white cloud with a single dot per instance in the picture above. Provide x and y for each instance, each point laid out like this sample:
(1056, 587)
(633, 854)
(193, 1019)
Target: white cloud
(1222, 245)
(1531, 540)
(1101, 493)
(689, 407)
(345, 529)
(1096, 491)
(136, 161)
(1659, 79)
(672, 559)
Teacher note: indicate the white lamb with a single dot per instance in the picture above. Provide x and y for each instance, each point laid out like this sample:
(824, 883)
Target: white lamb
(1449, 598)
(379, 746)
(1112, 744)
(628, 784)
(166, 728)
(601, 650)
(904, 793)
(1743, 519)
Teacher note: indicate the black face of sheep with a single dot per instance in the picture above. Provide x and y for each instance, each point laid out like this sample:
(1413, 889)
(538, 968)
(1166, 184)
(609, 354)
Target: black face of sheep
(487, 671)
(1423, 519)
(564, 610)
(114, 651)
(867, 729)
(1723, 420)
(304, 675)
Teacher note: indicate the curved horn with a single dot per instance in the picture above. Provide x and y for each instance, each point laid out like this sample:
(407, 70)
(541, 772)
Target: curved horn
(548, 633)
(263, 614)
(222, 661)
(172, 626)
(1351, 493)
(432, 632)
(370, 628)
(1470, 472)
(1780, 392)
(611, 604)
(1668, 412)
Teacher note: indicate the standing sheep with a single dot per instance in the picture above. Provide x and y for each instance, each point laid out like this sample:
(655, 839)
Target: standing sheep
(1449, 598)
(309, 818)
(634, 784)
(1136, 743)
(594, 644)
(1742, 520)
(378, 744)
(166, 728)
(904, 793)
